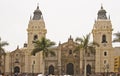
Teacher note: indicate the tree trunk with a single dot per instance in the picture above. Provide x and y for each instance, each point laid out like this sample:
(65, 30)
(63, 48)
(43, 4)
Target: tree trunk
(85, 60)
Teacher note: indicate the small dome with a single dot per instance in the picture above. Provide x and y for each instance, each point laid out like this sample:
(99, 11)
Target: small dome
(102, 13)
(101, 10)
(37, 14)
(37, 10)
(25, 44)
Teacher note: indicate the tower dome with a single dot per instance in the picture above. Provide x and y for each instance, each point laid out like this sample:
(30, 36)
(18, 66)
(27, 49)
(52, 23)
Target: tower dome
(37, 14)
(102, 14)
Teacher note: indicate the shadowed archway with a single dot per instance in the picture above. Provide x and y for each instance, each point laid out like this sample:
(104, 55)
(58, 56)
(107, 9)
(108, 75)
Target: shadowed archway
(16, 69)
(88, 69)
(70, 69)
(51, 69)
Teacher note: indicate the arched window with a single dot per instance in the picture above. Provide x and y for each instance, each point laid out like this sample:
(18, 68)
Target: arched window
(104, 39)
(16, 69)
(88, 54)
(70, 51)
(105, 53)
(51, 69)
(88, 69)
(70, 69)
(35, 37)
(105, 61)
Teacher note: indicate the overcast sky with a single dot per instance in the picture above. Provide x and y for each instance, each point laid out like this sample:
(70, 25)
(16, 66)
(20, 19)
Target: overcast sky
(62, 18)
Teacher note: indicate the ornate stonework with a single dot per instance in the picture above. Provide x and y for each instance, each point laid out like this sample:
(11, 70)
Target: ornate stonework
(66, 61)
(102, 34)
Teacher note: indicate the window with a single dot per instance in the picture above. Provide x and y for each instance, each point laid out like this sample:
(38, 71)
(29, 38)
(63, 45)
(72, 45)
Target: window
(16, 54)
(105, 53)
(88, 54)
(70, 51)
(104, 39)
(17, 61)
(35, 37)
(33, 62)
(105, 61)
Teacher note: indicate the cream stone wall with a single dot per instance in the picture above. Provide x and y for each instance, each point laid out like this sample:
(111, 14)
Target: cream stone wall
(28, 63)
(35, 27)
(7, 63)
(64, 51)
(103, 27)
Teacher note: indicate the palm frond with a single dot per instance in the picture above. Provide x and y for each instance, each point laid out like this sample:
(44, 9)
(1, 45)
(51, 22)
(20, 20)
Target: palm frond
(2, 50)
(2, 44)
(86, 40)
(85, 45)
(93, 44)
(76, 49)
(42, 45)
(117, 34)
(79, 39)
(46, 53)
(52, 53)
(36, 50)
(116, 40)
(117, 37)
(50, 44)
(91, 49)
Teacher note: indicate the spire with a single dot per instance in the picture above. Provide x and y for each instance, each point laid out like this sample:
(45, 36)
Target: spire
(70, 38)
(59, 43)
(95, 20)
(102, 13)
(109, 17)
(37, 5)
(37, 13)
(25, 44)
(30, 17)
(17, 46)
(101, 6)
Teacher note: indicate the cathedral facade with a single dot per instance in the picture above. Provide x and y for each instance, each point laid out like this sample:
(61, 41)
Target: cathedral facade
(66, 60)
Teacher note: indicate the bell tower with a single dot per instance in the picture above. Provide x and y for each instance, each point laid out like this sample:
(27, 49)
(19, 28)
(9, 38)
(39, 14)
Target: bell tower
(102, 34)
(36, 28)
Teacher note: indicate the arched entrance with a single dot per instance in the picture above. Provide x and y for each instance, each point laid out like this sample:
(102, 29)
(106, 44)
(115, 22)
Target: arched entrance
(88, 69)
(70, 69)
(51, 69)
(16, 69)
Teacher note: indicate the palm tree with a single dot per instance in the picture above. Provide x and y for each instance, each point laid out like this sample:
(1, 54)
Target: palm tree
(2, 51)
(44, 46)
(85, 45)
(117, 37)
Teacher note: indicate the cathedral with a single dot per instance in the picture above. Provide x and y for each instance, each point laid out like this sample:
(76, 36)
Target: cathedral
(66, 61)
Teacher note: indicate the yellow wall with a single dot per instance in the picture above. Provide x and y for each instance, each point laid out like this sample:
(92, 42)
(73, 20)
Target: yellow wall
(116, 64)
